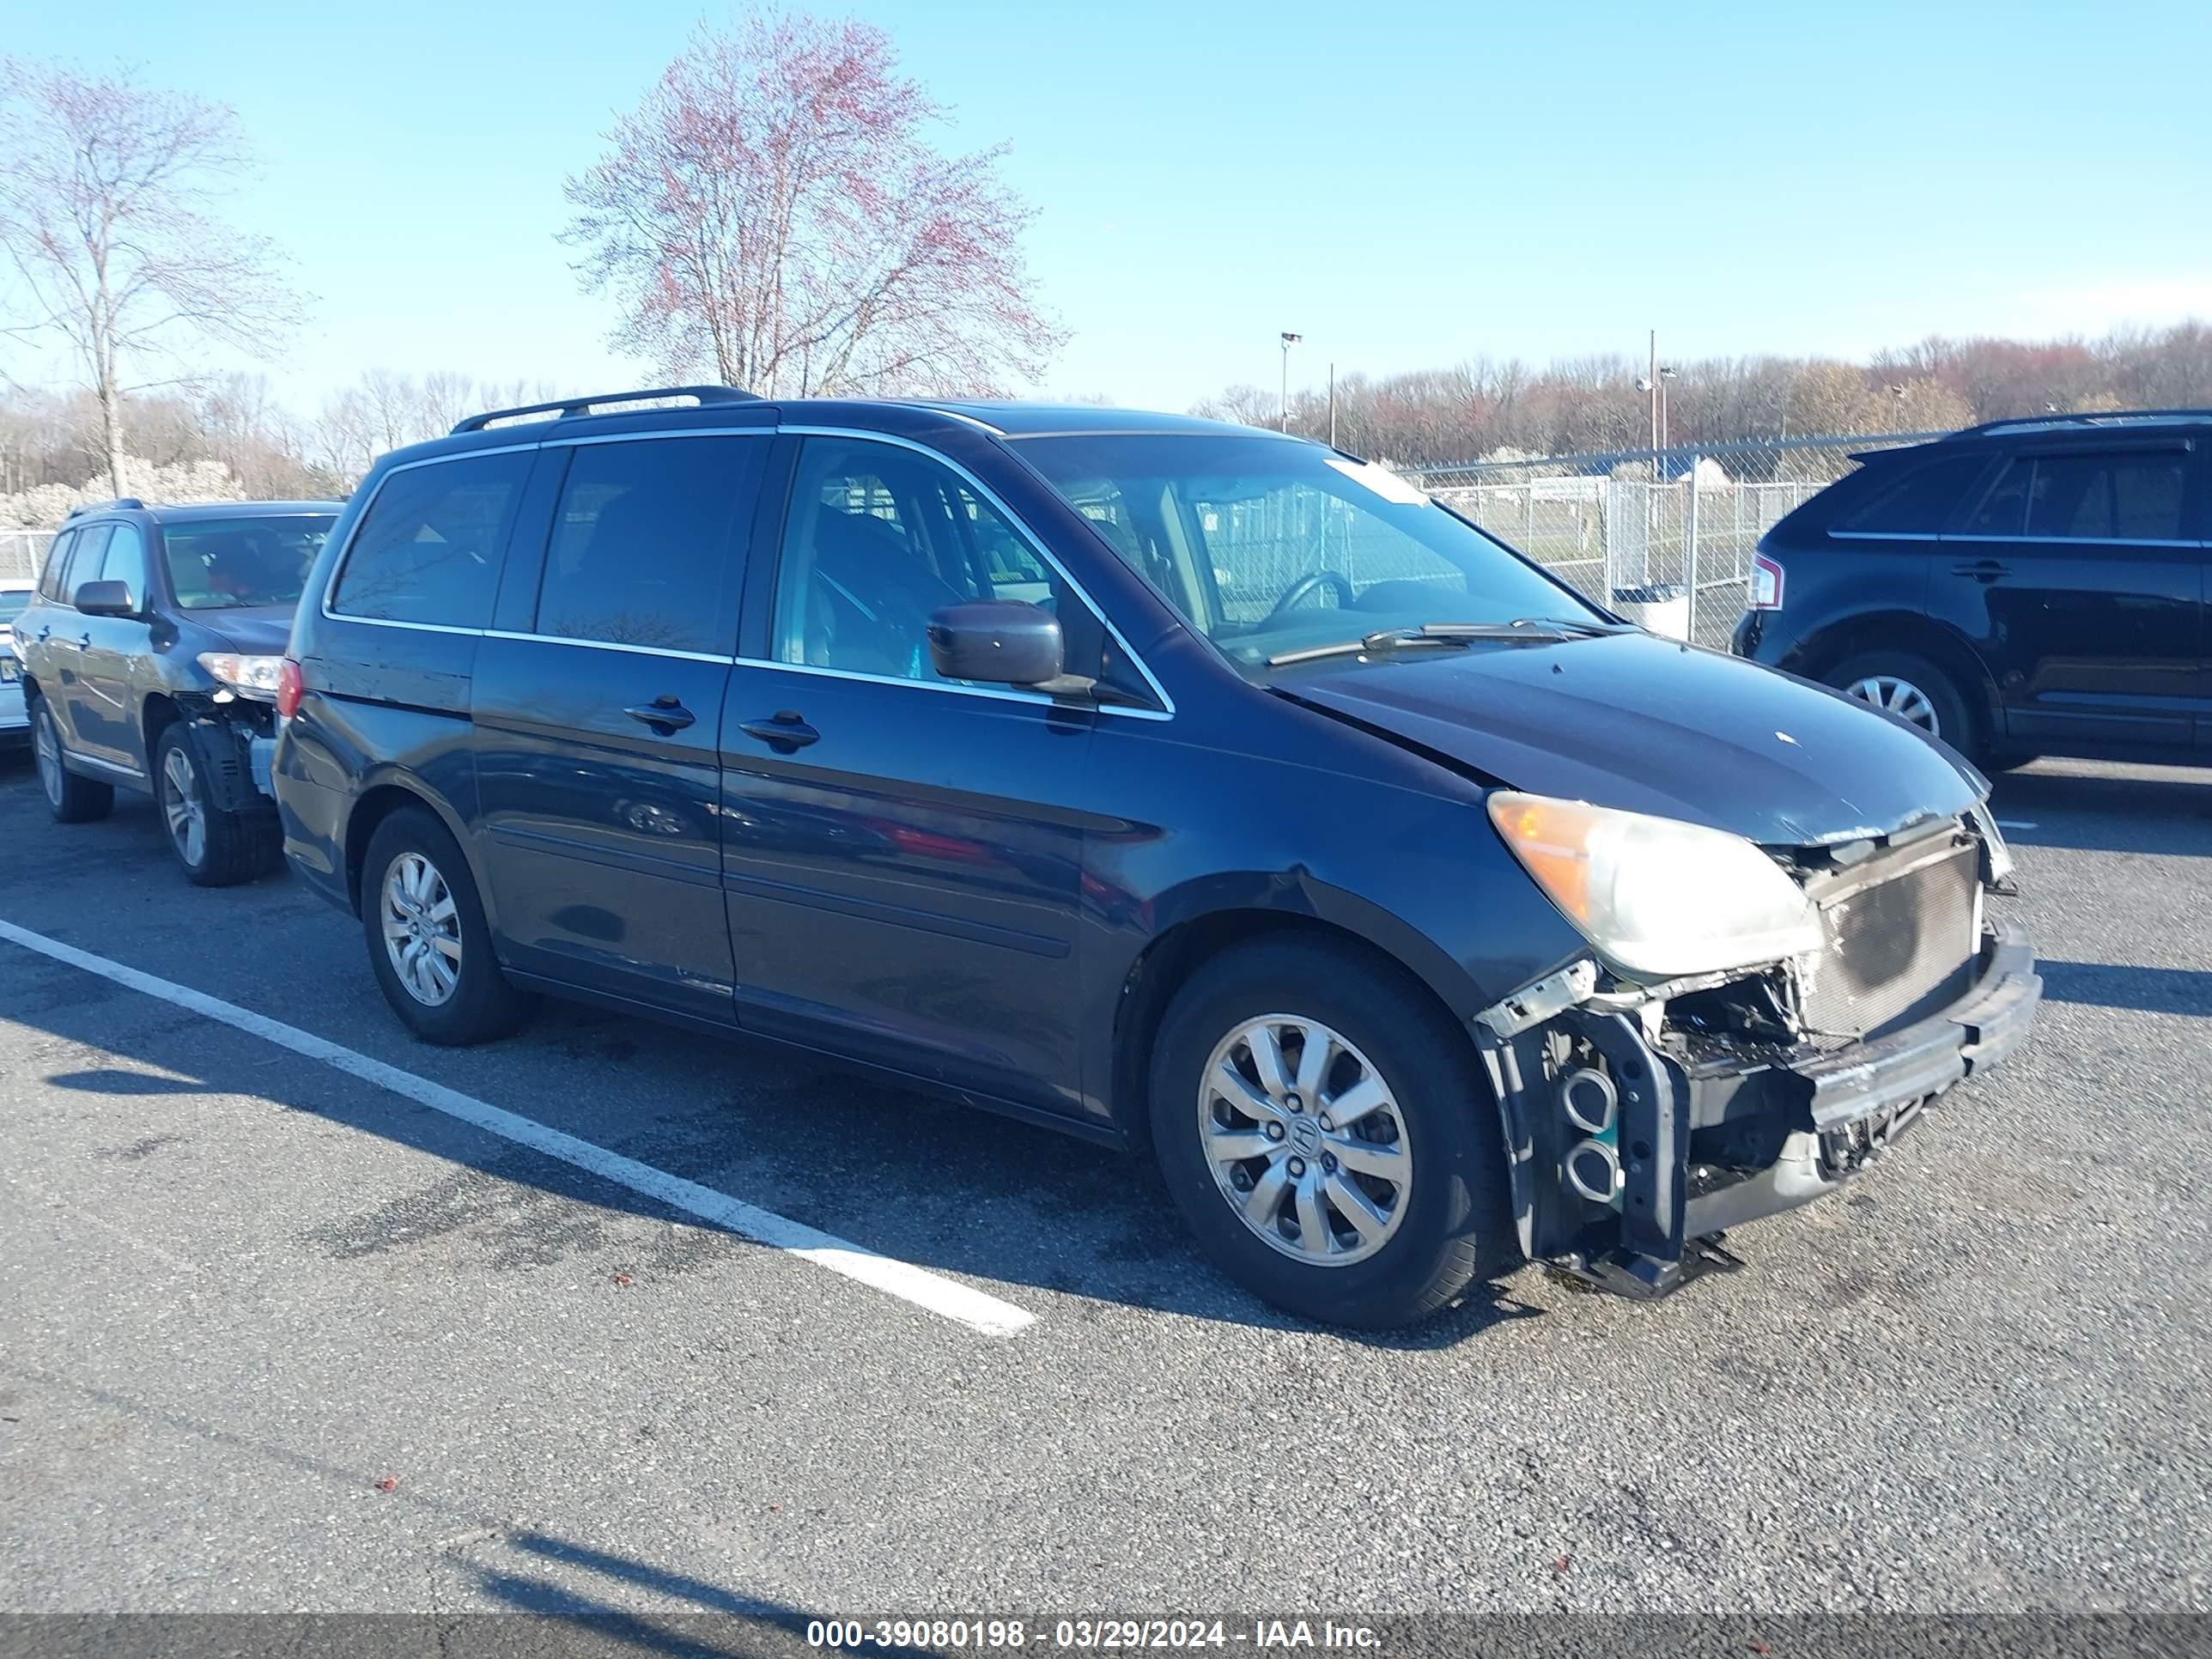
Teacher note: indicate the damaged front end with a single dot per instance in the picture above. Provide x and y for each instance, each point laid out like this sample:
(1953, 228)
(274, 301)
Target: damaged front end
(1646, 1117)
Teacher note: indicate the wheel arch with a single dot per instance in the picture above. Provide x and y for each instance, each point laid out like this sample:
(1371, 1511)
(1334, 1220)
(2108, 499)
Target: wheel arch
(1172, 956)
(1916, 633)
(394, 792)
(156, 714)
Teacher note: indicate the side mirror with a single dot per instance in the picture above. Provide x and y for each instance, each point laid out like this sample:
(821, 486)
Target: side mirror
(106, 598)
(1000, 642)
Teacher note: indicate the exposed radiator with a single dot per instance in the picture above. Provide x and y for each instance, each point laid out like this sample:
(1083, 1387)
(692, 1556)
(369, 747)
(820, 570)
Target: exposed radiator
(1896, 951)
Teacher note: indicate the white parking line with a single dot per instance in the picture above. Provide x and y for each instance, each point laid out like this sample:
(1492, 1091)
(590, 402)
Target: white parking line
(939, 1295)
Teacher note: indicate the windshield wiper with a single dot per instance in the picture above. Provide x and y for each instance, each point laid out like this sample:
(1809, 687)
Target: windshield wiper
(1523, 630)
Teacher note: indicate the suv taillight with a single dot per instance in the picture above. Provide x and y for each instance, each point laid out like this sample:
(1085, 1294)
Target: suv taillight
(290, 689)
(1766, 583)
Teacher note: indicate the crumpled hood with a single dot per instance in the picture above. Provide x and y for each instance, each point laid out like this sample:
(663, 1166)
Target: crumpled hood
(260, 630)
(1645, 724)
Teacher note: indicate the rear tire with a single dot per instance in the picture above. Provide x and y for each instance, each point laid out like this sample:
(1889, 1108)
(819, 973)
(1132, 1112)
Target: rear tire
(215, 848)
(429, 944)
(71, 799)
(1916, 690)
(1425, 1230)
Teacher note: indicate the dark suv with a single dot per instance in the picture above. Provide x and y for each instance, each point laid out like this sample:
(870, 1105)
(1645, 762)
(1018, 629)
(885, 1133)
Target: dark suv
(1164, 781)
(150, 656)
(2028, 587)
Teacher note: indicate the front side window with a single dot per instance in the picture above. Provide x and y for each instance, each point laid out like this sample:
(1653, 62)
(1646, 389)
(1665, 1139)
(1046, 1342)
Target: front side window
(1266, 545)
(647, 541)
(125, 561)
(218, 564)
(430, 547)
(85, 559)
(878, 539)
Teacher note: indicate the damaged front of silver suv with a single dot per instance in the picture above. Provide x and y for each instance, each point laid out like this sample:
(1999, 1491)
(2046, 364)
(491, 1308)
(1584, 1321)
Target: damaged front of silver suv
(1754, 1026)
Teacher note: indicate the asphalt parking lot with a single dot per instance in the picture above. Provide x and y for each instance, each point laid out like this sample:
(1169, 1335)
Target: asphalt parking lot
(275, 1336)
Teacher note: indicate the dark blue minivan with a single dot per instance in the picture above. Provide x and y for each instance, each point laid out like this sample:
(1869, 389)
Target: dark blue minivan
(1171, 783)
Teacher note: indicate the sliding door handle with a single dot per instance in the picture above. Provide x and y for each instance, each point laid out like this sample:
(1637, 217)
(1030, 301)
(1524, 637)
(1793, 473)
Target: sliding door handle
(786, 732)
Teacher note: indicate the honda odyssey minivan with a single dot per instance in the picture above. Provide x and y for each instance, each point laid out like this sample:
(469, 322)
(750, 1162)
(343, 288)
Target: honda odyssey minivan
(1177, 785)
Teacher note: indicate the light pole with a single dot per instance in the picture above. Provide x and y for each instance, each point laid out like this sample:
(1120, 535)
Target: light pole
(1654, 386)
(1289, 340)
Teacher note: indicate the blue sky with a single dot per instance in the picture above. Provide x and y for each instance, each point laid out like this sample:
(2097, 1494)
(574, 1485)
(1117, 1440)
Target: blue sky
(1406, 184)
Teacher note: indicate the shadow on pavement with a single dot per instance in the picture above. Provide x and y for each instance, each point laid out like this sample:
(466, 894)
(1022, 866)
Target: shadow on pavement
(2143, 990)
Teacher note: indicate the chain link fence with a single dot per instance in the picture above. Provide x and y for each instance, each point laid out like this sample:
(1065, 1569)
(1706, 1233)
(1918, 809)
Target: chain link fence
(1674, 554)
(23, 554)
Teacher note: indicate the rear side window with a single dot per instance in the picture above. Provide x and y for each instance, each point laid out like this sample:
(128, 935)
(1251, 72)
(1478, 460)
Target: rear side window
(428, 547)
(1919, 501)
(2123, 496)
(57, 558)
(648, 540)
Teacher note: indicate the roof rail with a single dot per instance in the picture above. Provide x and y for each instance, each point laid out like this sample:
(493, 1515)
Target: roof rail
(563, 408)
(120, 501)
(2086, 417)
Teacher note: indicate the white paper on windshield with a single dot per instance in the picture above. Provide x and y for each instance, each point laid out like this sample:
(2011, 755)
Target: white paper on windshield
(1382, 480)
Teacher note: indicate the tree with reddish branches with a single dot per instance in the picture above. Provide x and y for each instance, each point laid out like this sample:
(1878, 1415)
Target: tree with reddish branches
(774, 207)
(108, 228)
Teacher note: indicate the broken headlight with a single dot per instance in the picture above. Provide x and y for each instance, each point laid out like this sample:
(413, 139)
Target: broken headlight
(1658, 897)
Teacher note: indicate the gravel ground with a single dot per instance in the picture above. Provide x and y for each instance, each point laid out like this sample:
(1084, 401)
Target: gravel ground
(274, 1337)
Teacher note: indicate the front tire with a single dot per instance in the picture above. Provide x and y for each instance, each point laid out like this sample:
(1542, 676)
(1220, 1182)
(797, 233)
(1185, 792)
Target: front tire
(1327, 1134)
(215, 848)
(71, 799)
(428, 943)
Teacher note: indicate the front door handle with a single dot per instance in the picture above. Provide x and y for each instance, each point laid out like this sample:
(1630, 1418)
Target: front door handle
(84, 641)
(787, 731)
(666, 715)
(1982, 570)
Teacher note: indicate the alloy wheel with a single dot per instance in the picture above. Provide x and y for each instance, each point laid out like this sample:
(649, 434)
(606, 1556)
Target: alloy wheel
(182, 806)
(49, 750)
(422, 929)
(1900, 698)
(1306, 1140)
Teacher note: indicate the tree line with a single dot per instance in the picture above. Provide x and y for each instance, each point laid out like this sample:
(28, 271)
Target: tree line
(1490, 410)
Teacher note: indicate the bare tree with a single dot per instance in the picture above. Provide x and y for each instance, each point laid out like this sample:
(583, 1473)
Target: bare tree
(107, 199)
(772, 207)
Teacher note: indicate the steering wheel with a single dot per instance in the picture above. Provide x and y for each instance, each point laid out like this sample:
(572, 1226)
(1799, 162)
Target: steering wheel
(1305, 584)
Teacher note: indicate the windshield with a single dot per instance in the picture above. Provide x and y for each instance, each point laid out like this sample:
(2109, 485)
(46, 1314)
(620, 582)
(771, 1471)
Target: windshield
(13, 602)
(1269, 547)
(217, 564)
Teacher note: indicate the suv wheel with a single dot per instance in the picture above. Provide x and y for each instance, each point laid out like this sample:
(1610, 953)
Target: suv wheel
(1913, 689)
(1327, 1135)
(427, 941)
(71, 799)
(217, 849)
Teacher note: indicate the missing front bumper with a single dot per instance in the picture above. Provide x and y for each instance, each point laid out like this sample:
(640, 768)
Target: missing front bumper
(1818, 1117)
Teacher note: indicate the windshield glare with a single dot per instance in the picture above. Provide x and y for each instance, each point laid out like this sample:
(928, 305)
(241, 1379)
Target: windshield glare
(1268, 545)
(217, 564)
